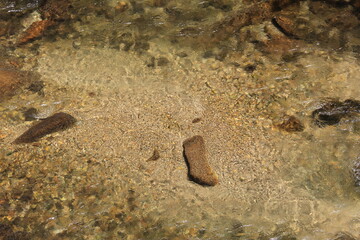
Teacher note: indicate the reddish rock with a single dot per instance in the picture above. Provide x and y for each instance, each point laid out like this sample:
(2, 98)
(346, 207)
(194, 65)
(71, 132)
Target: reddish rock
(196, 157)
(291, 124)
(35, 30)
(10, 81)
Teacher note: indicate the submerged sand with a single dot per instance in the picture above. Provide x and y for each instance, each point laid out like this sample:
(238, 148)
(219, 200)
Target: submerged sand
(269, 180)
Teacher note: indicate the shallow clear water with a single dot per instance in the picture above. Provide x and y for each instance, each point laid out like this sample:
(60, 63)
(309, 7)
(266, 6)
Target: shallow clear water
(136, 76)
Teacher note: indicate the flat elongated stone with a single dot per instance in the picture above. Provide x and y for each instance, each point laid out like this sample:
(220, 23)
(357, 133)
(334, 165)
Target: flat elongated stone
(58, 121)
(196, 157)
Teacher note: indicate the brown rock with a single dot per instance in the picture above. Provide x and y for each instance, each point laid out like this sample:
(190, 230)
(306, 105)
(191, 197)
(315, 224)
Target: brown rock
(58, 121)
(196, 120)
(155, 156)
(35, 30)
(10, 81)
(291, 124)
(196, 157)
(333, 111)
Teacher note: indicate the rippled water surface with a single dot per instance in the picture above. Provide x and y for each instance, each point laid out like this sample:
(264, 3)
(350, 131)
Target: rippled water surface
(272, 87)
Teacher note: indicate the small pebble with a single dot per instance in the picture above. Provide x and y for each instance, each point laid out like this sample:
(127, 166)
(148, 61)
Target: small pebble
(58, 121)
(162, 61)
(155, 156)
(196, 120)
(36, 86)
(250, 68)
(291, 124)
(196, 157)
(30, 114)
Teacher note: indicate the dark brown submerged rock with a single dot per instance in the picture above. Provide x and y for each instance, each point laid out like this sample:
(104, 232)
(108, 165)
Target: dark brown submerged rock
(196, 157)
(332, 112)
(291, 124)
(57, 122)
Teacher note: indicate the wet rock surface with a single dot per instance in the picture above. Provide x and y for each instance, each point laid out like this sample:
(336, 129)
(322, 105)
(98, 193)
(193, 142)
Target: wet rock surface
(10, 82)
(57, 122)
(196, 156)
(291, 124)
(332, 112)
(343, 236)
(35, 30)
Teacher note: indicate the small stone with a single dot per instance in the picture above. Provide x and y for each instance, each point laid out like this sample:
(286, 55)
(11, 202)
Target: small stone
(35, 30)
(36, 86)
(333, 111)
(155, 156)
(196, 157)
(196, 120)
(182, 54)
(250, 68)
(162, 61)
(54, 123)
(76, 44)
(291, 124)
(30, 114)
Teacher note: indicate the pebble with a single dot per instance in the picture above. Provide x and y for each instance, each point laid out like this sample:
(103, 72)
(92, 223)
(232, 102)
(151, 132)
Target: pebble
(155, 156)
(58, 121)
(196, 156)
(291, 124)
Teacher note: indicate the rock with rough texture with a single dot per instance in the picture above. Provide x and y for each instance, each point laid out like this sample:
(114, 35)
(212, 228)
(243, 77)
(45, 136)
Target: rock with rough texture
(332, 112)
(343, 236)
(58, 121)
(196, 157)
(10, 81)
(291, 124)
